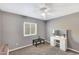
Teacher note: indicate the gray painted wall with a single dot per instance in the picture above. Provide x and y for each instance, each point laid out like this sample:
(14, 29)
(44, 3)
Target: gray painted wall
(0, 27)
(69, 22)
(13, 30)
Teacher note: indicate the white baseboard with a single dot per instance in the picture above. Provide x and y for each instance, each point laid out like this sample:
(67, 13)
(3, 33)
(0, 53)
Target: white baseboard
(22, 47)
(68, 48)
(73, 50)
(31, 44)
(19, 48)
(8, 51)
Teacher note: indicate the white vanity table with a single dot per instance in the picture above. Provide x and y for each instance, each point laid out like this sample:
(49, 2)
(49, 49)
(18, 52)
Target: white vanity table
(62, 42)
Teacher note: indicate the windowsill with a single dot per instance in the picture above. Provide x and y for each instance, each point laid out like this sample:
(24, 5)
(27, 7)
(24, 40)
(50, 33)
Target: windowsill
(30, 35)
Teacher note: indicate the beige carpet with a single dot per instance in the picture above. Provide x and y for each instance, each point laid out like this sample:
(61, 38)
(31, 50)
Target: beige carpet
(43, 49)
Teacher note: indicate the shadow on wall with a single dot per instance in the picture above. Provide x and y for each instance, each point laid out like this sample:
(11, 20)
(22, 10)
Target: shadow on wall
(70, 39)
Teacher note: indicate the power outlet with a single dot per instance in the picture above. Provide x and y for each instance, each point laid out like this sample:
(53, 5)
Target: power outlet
(17, 44)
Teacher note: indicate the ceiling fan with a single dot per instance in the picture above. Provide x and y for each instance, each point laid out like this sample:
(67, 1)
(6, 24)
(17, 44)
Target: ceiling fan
(45, 10)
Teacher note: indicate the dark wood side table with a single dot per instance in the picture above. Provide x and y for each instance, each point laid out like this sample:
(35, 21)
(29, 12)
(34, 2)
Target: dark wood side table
(38, 41)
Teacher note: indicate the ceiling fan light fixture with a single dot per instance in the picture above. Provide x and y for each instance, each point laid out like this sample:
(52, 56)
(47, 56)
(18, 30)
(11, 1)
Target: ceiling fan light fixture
(43, 14)
(45, 10)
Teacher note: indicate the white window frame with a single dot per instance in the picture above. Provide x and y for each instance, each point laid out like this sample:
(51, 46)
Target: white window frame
(30, 28)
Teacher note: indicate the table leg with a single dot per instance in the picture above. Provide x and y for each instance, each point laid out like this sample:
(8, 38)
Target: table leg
(36, 44)
(33, 42)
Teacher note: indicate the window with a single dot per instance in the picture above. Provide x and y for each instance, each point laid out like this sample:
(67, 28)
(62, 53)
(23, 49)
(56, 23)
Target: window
(30, 29)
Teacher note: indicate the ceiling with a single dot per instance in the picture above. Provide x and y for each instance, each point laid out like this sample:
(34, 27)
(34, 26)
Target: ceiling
(33, 9)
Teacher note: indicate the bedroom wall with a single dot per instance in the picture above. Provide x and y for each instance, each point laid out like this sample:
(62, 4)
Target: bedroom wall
(0, 27)
(69, 22)
(13, 30)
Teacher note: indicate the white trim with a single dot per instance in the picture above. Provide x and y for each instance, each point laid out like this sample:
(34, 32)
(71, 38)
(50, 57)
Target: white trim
(30, 28)
(73, 50)
(35, 29)
(19, 48)
(68, 48)
(7, 51)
